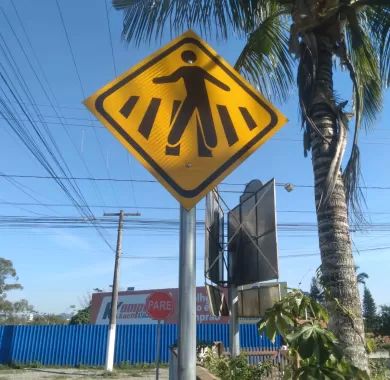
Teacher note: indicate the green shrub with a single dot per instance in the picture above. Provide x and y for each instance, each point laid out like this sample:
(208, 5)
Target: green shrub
(371, 344)
(314, 351)
(235, 368)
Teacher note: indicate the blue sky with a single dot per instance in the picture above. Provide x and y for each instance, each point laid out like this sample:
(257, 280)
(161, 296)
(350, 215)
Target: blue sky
(59, 267)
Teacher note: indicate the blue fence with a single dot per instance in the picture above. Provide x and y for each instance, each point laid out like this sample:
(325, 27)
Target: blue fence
(86, 344)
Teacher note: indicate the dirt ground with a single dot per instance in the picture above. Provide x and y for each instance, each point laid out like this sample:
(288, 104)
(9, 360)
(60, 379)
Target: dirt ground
(74, 373)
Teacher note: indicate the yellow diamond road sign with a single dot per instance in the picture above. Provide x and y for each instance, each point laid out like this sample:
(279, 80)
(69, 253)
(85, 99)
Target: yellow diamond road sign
(187, 116)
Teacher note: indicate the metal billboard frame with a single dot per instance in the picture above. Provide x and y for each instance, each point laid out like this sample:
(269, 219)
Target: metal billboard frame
(239, 234)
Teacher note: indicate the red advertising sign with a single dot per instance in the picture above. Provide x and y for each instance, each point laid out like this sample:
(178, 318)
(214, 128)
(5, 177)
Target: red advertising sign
(159, 305)
(132, 307)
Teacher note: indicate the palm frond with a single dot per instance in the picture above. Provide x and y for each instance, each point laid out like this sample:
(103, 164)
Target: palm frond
(265, 59)
(378, 22)
(353, 193)
(145, 20)
(362, 54)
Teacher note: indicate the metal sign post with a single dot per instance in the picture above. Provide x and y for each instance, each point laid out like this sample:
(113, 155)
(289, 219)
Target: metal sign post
(234, 324)
(158, 344)
(187, 296)
(159, 306)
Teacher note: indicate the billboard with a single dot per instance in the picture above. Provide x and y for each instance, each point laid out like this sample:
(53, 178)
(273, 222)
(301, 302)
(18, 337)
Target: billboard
(252, 240)
(217, 300)
(132, 307)
(254, 302)
(214, 238)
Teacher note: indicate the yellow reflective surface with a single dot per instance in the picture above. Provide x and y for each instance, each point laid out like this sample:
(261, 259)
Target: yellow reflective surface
(187, 116)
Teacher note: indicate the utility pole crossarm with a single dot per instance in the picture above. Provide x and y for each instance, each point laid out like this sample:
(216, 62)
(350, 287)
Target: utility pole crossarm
(124, 214)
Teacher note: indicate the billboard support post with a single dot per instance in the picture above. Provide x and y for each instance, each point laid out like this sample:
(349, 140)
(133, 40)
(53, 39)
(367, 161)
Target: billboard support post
(187, 296)
(234, 325)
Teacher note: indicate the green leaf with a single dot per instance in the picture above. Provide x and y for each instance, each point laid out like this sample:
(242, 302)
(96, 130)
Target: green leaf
(364, 58)
(271, 330)
(265, 59)
(307, 347)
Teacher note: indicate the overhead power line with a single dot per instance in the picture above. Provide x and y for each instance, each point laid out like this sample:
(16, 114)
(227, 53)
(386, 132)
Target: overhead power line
(175, 258)
(99, 144)
(36, 137)
(136, 207)
(53, 103)
(147, 224)
(278, 184)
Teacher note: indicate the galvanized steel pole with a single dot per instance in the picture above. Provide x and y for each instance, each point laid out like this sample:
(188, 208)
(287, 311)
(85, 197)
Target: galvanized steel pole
(234, 325)
(158, 349)
(187, 295)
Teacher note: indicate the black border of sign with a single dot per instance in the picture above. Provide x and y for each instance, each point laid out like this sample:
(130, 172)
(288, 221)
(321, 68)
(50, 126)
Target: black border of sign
(196, 191)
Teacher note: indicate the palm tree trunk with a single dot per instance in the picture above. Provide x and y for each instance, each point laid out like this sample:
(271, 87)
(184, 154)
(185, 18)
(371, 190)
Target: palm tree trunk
(333, 228)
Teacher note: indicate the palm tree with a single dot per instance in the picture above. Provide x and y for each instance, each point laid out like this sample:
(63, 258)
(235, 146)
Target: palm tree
(361, 277)
(353, 33)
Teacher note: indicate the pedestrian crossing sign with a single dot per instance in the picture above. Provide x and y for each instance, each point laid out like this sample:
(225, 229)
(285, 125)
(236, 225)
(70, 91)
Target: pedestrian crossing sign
(187, 116)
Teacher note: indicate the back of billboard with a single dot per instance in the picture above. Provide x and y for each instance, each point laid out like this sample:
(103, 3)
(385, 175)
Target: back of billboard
(252, 237)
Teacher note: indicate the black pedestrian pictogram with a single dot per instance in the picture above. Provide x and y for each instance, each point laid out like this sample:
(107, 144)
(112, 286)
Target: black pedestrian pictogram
(197, 99)
(196, 102)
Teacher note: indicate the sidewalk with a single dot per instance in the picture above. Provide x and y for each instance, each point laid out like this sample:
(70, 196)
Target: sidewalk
(74, 373)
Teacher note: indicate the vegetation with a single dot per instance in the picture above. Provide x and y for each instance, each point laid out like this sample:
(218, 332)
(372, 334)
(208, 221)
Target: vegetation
(11, 311)
(369, 310)
(361, 277)
(226, 368)
(82, 317)
(49, 319)
(20, 312)
(379, 370)
(313, 350)
(351, 33)
(316, 291)
(383, 326)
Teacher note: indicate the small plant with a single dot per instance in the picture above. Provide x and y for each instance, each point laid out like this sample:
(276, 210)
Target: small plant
(313, 350)
(385, 346)
(371, 344)
(109, 374)
(235, 368)
(379, 370)
(125, 365)
(35, 364)
(16, 365)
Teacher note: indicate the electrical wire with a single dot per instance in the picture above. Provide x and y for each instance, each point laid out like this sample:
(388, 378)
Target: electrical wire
(8, 113)
(33, 143)
(278, 184)
(175, 258)
(99, 144)
(55, 107)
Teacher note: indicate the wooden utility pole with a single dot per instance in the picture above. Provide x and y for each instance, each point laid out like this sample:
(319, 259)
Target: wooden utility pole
(114, 296)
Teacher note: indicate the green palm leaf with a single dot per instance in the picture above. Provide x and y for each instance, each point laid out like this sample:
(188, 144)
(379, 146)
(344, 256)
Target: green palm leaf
(265, 59)
(364, 64)
(145, 19)
(378, 22)
(364, 59)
